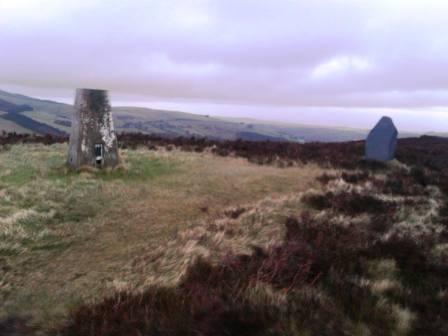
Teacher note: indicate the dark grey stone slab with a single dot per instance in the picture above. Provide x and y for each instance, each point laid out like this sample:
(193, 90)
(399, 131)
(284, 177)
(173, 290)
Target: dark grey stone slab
(382, 141)
(93, 141)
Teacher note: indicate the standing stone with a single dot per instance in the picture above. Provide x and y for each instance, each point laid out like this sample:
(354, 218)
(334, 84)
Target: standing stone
(382, 141)
(93, 141)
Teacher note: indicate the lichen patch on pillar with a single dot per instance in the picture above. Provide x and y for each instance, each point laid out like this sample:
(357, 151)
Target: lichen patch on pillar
(107, 131)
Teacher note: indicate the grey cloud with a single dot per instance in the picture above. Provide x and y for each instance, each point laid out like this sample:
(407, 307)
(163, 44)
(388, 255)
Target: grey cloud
(390, 54)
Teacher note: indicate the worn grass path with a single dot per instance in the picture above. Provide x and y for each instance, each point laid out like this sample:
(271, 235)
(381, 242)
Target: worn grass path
(64, 237)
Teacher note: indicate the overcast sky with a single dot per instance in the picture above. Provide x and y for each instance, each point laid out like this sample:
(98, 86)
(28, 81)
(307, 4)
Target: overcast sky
(335, 62)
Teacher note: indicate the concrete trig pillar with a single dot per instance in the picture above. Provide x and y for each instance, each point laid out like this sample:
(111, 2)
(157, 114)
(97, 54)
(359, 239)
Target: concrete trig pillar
(93, 141)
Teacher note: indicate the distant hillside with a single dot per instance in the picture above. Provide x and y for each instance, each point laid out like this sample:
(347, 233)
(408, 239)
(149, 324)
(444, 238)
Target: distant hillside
(24, 114)
(6, 106)
(14, 114)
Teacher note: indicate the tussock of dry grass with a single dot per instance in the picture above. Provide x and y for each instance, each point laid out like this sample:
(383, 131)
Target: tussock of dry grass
(215, 238)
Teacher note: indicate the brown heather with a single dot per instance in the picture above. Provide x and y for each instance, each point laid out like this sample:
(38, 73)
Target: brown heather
(362, 252)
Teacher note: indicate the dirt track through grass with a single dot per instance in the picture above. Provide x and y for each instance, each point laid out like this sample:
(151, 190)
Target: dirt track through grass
(65, 238)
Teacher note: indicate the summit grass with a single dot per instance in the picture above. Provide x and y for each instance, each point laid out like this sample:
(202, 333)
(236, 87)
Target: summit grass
(68, 237)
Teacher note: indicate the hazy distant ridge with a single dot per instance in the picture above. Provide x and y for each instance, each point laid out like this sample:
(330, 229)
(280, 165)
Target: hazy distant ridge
(44, 116)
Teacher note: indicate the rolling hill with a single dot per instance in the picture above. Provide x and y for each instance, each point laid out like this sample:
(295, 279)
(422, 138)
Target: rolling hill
(24, 114)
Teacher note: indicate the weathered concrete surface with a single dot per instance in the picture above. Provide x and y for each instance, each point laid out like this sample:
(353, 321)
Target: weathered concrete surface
(382, 141)
(92, 126)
